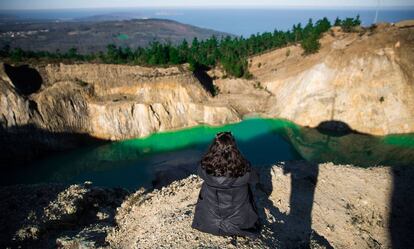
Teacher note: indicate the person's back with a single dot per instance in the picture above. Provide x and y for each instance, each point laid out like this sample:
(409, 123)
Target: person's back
(225, 205)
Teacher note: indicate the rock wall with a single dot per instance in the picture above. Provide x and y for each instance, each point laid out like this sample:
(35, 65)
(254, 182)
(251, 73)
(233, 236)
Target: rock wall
(85, 103)
(363, 79)
(114, 102)
(14, 109)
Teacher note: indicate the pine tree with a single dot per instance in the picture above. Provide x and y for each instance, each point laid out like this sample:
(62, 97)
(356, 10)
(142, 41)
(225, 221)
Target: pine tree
(311, 43)
(337, 22)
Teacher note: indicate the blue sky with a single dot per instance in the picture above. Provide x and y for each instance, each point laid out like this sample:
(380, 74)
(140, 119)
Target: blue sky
(63, 4)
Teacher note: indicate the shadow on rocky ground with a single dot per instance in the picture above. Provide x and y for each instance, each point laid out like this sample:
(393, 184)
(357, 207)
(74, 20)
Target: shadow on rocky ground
(402, 208)
(293, 230)
(50, 215)
(167, 214)
(297, 201)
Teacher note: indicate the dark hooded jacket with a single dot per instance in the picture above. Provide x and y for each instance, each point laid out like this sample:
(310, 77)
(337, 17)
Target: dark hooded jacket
(226, 206)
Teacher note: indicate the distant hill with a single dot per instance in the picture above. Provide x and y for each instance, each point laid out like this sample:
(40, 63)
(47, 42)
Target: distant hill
(121, 16)
(89, 36)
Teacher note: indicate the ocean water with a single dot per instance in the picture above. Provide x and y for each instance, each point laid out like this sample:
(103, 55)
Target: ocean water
(242, 22)
(139, 162)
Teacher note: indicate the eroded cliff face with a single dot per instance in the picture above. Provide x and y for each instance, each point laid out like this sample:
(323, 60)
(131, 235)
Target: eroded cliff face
(13, 107)
(114, 102)
(86, 103)
(365, 80)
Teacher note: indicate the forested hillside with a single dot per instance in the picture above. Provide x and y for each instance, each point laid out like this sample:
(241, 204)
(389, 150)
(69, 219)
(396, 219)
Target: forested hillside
(230, 53)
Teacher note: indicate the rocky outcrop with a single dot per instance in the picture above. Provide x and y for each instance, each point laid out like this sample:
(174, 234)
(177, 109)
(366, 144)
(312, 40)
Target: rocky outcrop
(104, 102)
(362, 79)
(349, 208)
(50, 215)
(14, 108)
(114, 102)
(333, 206)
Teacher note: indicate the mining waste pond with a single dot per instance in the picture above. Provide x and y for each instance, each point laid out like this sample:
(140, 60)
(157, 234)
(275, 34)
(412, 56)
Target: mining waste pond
(172, 155)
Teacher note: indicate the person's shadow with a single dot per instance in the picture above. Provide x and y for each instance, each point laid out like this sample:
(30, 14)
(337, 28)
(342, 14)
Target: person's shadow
(292, 230)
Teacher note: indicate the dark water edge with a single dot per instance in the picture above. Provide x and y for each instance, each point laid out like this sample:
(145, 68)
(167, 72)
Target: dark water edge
(172, 155)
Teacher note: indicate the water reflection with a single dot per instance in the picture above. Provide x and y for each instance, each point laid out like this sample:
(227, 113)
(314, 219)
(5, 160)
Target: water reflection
(352, 148)
(163, 157)
(363, 150)
(158, 159)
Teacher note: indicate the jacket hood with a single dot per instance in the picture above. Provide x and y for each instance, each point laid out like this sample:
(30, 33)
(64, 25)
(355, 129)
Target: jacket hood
(226, 181)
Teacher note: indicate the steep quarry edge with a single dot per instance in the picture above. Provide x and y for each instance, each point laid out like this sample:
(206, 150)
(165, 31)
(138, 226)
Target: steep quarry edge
(363, 81)
(84, 103)
(112, 102)
(346, 206)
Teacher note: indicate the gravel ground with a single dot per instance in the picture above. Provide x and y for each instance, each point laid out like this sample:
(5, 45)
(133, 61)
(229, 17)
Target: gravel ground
(340, 206)
(327, 205)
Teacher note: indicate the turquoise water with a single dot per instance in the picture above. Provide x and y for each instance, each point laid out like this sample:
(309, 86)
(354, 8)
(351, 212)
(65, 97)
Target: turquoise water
(138, 162)
(123, 37)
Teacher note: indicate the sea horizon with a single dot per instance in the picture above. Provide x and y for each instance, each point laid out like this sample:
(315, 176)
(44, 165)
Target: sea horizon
(238, 21)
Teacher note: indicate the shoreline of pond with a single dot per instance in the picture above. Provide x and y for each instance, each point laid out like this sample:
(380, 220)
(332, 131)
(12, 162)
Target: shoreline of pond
(173, 155)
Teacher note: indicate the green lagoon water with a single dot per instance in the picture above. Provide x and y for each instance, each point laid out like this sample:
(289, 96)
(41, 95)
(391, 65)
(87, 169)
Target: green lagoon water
(137, 162)
(123, 37)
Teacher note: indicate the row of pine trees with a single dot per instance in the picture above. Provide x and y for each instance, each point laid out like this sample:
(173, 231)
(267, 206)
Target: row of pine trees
(229, 52)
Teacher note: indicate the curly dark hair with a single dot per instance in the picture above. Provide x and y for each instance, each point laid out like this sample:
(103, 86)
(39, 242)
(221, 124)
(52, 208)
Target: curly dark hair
(223, 158)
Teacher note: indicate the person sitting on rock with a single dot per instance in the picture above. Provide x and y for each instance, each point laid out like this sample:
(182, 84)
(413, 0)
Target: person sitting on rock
(225, 205)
